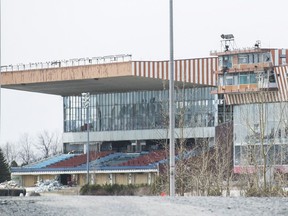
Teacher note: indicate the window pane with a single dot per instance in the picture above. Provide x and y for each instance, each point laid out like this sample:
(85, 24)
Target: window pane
(253, 78)
(229, 80)
(243, 59)
(244, 79)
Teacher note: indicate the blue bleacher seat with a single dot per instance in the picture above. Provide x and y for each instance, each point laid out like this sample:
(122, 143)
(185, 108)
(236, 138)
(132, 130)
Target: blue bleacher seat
(49, 161)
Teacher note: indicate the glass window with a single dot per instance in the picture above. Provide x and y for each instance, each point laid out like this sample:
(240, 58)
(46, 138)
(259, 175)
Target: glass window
(256, 57)
(272, 77)
(136, 110)
(253, 78)
(243, 59)
(266, 57)
(235, 79)
(250, 58)
(220, 61)
(237, 155)
(227, 61)
(244, 79)
(220, 81)
(229, 80)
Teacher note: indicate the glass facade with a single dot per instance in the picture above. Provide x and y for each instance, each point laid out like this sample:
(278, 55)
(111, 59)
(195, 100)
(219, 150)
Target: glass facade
(257, 125)
(225, 61)
(140, 110)
(237, 79)
(253, 58)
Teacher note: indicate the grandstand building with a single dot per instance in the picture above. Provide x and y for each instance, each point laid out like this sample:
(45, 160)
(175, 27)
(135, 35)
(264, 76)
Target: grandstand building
(127, 116)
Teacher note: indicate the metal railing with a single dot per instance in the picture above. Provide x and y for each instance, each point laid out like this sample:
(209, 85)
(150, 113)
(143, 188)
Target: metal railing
(238, 51)
(68, 63)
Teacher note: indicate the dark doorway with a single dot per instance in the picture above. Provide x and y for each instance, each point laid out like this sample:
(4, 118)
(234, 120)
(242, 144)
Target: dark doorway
(65, 179)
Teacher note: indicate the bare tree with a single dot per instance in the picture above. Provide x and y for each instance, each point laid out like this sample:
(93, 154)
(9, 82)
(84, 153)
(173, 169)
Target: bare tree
(10, 152)
(202, 168)
(262, 147)
(48, 143)
(26, 153)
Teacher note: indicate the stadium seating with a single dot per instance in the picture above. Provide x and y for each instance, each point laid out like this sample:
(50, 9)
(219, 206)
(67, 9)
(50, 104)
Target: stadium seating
(146, 159)
(50, 161)
(80, 159)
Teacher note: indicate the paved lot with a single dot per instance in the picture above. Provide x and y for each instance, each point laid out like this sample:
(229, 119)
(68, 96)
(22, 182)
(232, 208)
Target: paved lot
(141, 206)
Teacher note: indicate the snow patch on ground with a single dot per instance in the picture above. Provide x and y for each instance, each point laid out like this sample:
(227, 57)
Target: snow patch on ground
(9, 185)
(48, 185)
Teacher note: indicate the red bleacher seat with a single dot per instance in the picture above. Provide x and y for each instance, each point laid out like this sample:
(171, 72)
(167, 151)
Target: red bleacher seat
(147, 159)
(80, 159)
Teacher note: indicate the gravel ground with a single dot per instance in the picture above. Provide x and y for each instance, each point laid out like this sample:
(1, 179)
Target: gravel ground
(131, 205)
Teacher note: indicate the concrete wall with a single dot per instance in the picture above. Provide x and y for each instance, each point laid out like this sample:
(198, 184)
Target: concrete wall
(29, 180)
(118, 178)
(99, 178)
(47, 177)
(156, 134)
(66, 73)
(121, 179)
(82, 179)
(141, 178)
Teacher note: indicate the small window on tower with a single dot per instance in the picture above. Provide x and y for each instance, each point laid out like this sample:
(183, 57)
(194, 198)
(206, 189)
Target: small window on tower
(272, 77)
(266, 57)
(253, 78)
(243, 59)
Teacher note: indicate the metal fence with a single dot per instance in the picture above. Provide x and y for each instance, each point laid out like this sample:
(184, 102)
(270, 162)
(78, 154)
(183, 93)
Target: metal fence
(68, 63)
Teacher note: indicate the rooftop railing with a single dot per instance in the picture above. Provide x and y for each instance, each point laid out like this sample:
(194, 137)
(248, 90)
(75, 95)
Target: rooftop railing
(238, 50)
(68, 63)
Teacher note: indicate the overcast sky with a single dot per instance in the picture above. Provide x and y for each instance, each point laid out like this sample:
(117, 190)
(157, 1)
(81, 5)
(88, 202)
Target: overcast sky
(44, 30)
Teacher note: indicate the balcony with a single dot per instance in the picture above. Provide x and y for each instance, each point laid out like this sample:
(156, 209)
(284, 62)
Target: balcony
(239, 68)
(234, 89)
(245, 88)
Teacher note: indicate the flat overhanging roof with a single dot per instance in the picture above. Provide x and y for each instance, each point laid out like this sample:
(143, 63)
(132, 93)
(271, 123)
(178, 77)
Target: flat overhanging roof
(106, 85)
(111, 77)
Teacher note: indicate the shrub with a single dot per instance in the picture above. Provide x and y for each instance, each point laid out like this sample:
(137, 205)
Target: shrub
(269, 192)
(115, 190)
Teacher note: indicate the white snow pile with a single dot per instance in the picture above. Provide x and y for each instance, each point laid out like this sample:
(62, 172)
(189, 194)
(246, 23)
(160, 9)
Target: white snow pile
(9, 185)
(48, 185)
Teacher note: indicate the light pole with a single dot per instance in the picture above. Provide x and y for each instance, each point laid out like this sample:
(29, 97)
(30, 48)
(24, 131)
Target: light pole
(86, 104)
(171, 107)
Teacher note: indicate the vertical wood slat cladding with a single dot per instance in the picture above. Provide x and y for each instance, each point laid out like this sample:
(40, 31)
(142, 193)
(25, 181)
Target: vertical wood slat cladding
(279, 56)
(196, 71)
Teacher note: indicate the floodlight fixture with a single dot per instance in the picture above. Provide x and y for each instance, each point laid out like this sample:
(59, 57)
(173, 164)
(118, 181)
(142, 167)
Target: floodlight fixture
(227, 36)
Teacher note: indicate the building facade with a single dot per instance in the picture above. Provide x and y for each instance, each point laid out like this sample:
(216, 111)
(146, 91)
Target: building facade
(137, 117)
(127, 116)
(254, 83)
(128, 111)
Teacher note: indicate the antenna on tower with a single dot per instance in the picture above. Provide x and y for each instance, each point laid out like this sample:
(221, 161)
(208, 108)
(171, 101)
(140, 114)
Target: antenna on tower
(227, 42)
(257, 45)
